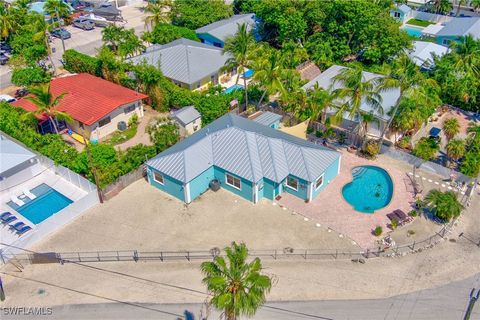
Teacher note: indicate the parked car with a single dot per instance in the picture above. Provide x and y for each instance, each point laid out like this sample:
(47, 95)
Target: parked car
(61, 33)
(83, 23)
(7, 98)
(22, 92)
(97, 20)
(5, 47)
(3, 59)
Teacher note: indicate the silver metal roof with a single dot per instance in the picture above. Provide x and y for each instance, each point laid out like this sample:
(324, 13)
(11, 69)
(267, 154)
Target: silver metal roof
(244, 148)
(184, 60)
(404, 8)
(12, 154)
(461, 26)
(228, 27)
(268, 118)
(326, 81)
(186, 115)
(422, 53)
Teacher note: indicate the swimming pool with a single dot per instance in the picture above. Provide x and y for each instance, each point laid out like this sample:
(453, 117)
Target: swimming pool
(371, 189)
(233, 88)
(48, 202)
(413, 31)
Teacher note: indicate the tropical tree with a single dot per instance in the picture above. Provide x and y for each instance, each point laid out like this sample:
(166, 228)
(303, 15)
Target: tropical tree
(158, 13)
(46, 104)
(455, 149)
(269, 73)
(318, 101)
(451, 128)
(426, 148)
(355, 90)
(440, 6)
(468, 51)
(123, 42)
(444, 205)
(56, 8)
(406, 76)
(238, 47)
(366, 119)
(237, 287)
(475, 4)
(8, 20)
(111, 35)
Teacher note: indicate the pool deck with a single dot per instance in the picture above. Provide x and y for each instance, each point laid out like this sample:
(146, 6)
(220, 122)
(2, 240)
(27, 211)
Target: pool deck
(331, 210)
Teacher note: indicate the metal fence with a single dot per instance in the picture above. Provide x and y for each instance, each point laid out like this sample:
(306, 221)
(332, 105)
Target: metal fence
(196, 255)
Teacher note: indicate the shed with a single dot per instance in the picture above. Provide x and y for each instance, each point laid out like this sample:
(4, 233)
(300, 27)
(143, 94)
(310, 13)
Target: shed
(188, 119)
(268, 119)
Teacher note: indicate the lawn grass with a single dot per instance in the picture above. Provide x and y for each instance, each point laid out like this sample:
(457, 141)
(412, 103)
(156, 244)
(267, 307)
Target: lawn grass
(419, 23)
(121, 136)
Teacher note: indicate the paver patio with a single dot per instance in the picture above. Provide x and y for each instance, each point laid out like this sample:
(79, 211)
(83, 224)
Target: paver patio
(331, 210)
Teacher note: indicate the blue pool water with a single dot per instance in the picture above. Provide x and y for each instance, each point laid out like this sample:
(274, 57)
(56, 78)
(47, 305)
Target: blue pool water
(413, 31)
(48, 202)
(233, 88)
(248, 73)
(371, 189)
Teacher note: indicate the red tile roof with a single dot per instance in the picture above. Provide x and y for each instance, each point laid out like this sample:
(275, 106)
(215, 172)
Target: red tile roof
(88, 98)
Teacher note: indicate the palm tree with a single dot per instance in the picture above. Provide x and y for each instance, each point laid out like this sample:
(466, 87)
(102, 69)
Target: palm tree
(56, 8)
(455, 149)
(468, 50)
(444, 205)
(237, 287)
(355, 90)
(475, 4)
(318, 101)
(46, 104)
(159, 13)
(473, 128)
(451, 128)
(7, 21)
(238, 47)
(269, 73)
(366, 119)
(459, 3)
(111, 35)
(406, 76)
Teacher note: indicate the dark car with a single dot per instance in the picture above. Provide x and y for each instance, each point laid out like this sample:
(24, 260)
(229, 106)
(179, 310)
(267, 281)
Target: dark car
(5, 47)
(22, 92)
(61, 34)
(83, 23)
(3, 59)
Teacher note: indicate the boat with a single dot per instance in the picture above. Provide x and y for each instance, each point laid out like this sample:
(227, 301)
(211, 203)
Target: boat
(98, 20)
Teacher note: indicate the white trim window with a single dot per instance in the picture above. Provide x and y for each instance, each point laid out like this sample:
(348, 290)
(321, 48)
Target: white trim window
(319, 182)
(233, 181)
(396, 14)
(292, 183)
(158, 177)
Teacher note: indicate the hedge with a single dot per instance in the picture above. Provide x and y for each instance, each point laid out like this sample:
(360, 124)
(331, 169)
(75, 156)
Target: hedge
(77, 62)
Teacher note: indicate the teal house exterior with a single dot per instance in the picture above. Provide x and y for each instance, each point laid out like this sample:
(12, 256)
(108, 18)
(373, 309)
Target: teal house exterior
(457, 28)
(401, 13)
(216, 33)
(249, 159)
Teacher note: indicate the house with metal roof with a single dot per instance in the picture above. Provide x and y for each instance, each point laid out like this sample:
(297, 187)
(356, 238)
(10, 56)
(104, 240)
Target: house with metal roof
(327, 81)
(458, 27)
(187, 63)
(423, 52)
(217, 32)
(401, 12)
(245, 157)
(188, 120)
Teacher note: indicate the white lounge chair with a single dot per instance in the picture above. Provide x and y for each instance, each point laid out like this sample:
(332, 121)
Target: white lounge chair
(29, 194)
(17, 201)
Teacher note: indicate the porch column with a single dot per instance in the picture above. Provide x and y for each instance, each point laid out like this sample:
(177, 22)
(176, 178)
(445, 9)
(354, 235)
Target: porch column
(310, 192)
(186, 191)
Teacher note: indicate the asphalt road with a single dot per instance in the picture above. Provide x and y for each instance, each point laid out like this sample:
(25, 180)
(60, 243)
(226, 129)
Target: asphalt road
(448, 302)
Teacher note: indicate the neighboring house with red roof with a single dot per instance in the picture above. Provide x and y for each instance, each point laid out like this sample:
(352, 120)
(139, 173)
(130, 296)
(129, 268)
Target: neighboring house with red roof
(96, 105)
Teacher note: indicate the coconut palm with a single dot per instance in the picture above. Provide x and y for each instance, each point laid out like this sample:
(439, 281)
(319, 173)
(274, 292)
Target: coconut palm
(444, 205)
(269, 74)
(468, 50)
(473, 128)
(475, 4)
(56, 8)
(159, 13)
(455, 149)
(406, 76)
(451, 128)
(237, 287)
(238, 47)
(318, 101)
(111, 35)
(7, 21)
(46, 104)
(355, 90)
(366, 119)
(460, 3)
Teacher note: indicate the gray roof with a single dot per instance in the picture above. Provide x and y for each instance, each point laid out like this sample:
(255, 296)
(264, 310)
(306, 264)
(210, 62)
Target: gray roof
(268, 118)
(186, 115)
(404, 8)
(228, 27)
(184, 60)
(244, 148)
(461, 26)
(12, 154)
(326, 80)
(423, 52)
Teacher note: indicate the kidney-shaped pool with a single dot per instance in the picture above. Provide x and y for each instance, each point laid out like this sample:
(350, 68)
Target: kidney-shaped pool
(371, 189)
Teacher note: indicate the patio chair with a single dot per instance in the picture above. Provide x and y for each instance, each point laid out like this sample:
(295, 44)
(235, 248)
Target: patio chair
(23, 230)
(5, 214)
(17, 226)
(8, 219)
(29, 194)
(403, 216)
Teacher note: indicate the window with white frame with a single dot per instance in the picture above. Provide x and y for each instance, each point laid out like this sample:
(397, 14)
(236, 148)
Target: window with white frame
(129, 109)
(233, 181)
(319, 182)
(396, 14)
(104, 121)
(292, 183)
(158, 177)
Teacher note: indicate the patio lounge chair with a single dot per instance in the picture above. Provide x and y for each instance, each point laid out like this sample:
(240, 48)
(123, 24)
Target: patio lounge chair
(23, 230)
(5, 214)
(17, 201)
(17, 226)
(29, 194)
(8, 219)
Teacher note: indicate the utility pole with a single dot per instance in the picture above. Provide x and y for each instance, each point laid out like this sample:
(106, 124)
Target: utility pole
(60, 22)
(92, 167)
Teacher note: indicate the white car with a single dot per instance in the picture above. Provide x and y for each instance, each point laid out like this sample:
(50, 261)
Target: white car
(7, 98)
(97, 20)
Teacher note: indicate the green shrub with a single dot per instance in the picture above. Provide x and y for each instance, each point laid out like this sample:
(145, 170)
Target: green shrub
(133, 121)
(405, 142)
(27, 76)
(378, 231)
(77, 62)
(371, 148)
(394, 224)
(318, 134)
(342, 138)
(413, 213)
(426, 148)
(164, 33)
